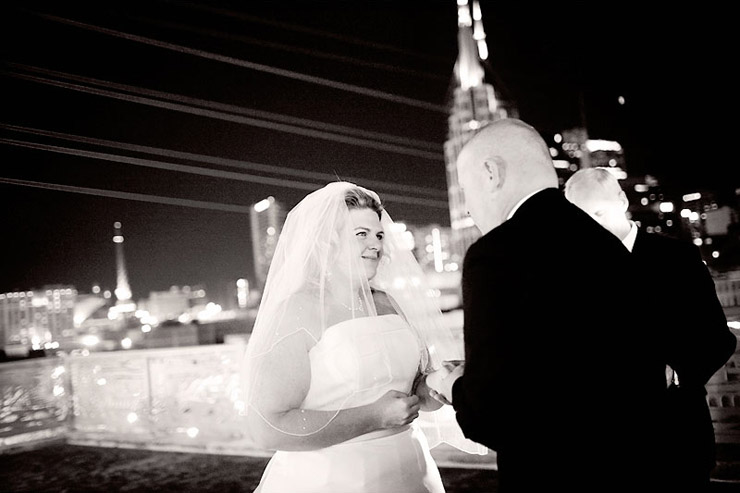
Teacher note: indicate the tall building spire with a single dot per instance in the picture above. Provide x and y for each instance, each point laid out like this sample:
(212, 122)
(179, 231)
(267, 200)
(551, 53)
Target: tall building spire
(468, 68)
(475, 104)
(123, 290)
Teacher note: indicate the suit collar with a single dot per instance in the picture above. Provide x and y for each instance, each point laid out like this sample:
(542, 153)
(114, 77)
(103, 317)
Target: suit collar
(639, 240)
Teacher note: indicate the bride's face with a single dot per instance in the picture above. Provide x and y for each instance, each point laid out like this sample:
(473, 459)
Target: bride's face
(369, 235)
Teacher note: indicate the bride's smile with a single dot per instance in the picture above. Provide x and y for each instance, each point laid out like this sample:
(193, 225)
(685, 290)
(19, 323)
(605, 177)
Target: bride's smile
(369, 235)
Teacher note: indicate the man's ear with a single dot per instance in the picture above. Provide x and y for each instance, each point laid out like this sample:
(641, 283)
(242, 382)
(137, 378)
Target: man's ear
(494, 172)
(624, 201)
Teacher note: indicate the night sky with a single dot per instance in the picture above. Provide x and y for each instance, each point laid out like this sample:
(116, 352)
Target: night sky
(102, 96)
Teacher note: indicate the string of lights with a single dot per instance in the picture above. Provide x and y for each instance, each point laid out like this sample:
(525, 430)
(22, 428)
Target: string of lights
(244, 165)
(220, 115)
(342, 86)
(214, 173)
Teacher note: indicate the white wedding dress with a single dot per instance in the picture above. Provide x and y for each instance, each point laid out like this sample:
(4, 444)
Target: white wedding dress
(376, 354)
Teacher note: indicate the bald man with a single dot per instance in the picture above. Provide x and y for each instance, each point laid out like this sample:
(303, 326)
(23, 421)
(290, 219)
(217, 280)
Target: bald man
(558, 379)
(700, 342)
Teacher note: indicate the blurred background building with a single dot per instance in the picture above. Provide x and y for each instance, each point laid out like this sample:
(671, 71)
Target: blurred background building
(36, 319)
(266, 221)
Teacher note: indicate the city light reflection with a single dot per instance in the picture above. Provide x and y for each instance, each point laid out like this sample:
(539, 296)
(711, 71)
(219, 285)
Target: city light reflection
(90, 340)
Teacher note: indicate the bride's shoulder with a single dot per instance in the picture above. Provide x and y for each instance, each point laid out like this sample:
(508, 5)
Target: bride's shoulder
(300, 310)
(300, 304)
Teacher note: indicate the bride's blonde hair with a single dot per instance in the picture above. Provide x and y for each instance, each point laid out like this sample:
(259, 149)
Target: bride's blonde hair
(356, 198)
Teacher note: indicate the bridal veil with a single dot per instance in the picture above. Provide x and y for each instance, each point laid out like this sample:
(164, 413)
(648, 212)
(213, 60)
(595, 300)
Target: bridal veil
(316, 281)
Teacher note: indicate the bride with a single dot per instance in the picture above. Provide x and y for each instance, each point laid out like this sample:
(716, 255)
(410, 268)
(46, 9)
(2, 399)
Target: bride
(336, 364)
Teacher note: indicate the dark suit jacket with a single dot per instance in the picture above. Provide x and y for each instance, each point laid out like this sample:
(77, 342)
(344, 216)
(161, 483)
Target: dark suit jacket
(699, 343)
(561, 378)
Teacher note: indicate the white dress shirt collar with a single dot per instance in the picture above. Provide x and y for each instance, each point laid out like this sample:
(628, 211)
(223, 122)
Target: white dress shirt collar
(629, 240)
(524, 199)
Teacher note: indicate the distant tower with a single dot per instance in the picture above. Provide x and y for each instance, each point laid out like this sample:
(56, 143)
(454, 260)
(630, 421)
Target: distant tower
(123, 290)
(474, 105)
(266, 217)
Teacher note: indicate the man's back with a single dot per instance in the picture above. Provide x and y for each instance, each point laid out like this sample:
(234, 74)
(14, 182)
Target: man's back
(698, 343)
(566, 377)
(677, 293)
(690, 312)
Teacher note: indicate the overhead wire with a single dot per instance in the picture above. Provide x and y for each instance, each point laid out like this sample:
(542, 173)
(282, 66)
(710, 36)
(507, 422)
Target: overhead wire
(290, 48)
(307, 30)
(244, 165)
(221, 115)
(139, 197)
(364, 91)
(213, 114)
(423, 144)
(195, 170)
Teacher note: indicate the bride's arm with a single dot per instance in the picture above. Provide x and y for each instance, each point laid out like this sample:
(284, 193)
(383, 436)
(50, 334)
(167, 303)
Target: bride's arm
(277, 422)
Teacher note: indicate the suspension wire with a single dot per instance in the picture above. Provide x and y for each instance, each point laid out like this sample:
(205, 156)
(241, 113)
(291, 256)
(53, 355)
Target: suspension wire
(220, 115)
(289, 48)
(342, 86)
(229, 107)
(312, 175)
(213, 173)
(139, 197)
(307, 30)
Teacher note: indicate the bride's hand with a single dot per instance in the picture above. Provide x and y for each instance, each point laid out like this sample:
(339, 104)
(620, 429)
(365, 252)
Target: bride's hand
(397, 409)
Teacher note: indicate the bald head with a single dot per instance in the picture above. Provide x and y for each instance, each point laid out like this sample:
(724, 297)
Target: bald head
(504, 162)
(598, 193)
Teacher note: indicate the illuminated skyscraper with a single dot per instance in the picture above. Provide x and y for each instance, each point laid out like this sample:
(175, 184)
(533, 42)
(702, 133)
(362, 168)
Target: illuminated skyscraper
(37, 319)
(475, 103)
(431, 247)
(168, 305)
(266, 217)
(242, 292)
(572, 150)
(707, 222)
(124, 307)
(123, 290)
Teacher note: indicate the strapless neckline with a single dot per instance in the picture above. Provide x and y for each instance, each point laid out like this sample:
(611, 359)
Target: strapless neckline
(355, 321)
(357, 360)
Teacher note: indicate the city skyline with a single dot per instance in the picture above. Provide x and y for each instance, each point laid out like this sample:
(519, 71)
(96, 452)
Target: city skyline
(559, 68)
